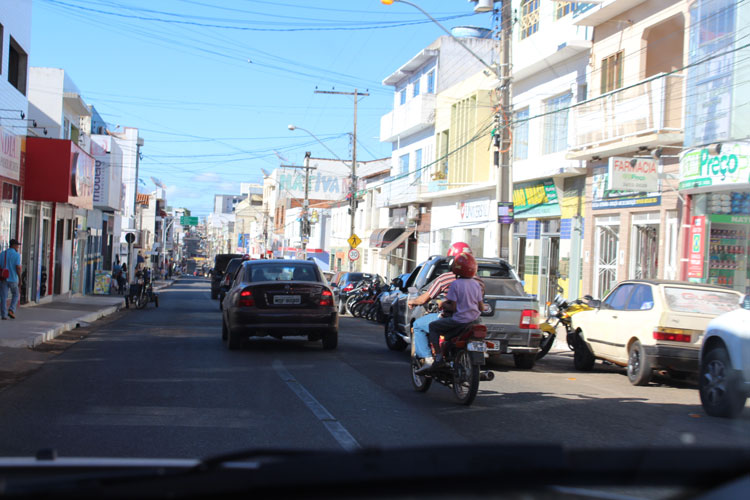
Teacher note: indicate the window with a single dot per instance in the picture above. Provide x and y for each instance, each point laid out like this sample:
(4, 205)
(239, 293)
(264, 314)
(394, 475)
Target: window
(1, 49)
(521, 135)
(642, 299)
(556, 123)
(529, 18)
(402, 97)
(695, 300)
(618, 299)
(416, 88)
(404, 163)
(418, 164)
(17, 65)
(562, 9)
(611, 72)
(475, 239)
(431, 82)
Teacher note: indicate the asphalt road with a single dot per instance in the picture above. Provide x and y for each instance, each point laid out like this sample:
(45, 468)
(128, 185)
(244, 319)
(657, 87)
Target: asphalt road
(160, 383)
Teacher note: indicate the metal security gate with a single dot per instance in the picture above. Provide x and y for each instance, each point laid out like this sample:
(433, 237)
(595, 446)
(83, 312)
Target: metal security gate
(607, 248)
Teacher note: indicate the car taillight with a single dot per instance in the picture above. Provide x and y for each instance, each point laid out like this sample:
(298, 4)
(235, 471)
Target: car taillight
(348, 288)
(673, 334)
(529, 319)
(326, 298)
(246, 299)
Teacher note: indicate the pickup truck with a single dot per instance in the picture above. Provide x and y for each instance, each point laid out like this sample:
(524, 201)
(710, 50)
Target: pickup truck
(512, 319)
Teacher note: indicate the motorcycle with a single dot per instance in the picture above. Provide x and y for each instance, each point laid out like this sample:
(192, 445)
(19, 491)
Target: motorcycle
(559, 313)
(463, 355)
(142, 291)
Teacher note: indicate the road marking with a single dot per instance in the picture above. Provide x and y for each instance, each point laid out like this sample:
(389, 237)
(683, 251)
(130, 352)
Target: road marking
(334, 427)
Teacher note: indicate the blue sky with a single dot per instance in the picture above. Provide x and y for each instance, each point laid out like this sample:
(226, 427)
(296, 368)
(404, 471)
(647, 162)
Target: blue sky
(214, 84)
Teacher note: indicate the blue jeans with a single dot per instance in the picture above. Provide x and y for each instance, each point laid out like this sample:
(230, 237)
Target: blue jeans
(421, 329)
(4, 286)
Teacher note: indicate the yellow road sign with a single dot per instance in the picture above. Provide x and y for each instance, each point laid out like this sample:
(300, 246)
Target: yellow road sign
(354, 241)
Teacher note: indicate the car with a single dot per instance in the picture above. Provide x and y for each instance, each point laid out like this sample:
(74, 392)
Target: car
(645, 325)
(217, 273)
(229, 274)
(346, 283)
(280, 298)
(724, 380)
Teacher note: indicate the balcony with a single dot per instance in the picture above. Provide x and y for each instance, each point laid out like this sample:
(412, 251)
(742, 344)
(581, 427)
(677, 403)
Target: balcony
(417, 114)
(596, 13)
(644, 115)
(401, 191)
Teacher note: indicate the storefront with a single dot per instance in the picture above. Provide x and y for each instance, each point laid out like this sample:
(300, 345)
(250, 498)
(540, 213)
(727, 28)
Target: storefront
(717, 185)
(12, 158)
(471, 218)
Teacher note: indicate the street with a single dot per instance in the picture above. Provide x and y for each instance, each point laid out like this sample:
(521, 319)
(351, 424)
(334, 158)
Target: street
(160, 383)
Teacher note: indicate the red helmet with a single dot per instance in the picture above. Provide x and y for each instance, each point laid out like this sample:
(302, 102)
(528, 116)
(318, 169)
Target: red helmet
(458, 248)
(464, 265)
(246, 257)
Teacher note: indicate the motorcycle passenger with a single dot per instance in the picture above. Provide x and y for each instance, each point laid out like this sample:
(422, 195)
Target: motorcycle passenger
(464, 299)
(438, 287)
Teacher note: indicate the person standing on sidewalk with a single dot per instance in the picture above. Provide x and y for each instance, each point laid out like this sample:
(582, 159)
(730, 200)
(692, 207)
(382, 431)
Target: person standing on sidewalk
(10, 259)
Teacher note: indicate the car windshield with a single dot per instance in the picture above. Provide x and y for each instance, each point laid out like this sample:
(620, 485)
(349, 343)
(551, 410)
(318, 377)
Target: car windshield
(275, 165)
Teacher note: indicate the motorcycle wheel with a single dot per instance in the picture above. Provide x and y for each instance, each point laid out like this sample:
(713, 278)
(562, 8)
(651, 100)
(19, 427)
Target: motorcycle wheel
(548, 340)
(355, 308)
(465, 378)
(392, 339)
(142, 300)
(420, 382)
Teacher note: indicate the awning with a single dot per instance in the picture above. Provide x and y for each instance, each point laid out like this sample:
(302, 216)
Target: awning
(397, 242)
(383, 237)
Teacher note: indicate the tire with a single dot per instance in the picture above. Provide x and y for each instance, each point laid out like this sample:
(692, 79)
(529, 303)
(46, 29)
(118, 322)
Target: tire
(330, 340)
(342, 307)
(156, 301)
(639, 366)
(420, 382)
(214, 295)
(392, 339)
(350, 304)
(224, 330)
(357, 309)
(583, 358)
(719, 385)
(465, 378)
(548, 340)
(142, 300)
(221, 301)
(234, 341)
(524, 361)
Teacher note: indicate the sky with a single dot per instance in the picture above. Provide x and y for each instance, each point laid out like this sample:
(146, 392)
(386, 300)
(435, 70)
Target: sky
(212, 85)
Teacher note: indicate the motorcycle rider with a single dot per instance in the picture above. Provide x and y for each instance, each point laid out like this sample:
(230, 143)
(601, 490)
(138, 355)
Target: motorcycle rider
(438, 287)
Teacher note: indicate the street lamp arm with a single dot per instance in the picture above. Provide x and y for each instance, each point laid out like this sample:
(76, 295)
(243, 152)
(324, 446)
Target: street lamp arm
(294, 127)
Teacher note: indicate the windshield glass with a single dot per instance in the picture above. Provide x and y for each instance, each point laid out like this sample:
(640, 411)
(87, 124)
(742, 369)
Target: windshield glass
(700, 301)
(283, 272)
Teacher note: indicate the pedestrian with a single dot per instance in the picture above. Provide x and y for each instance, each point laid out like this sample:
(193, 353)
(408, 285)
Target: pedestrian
(140, 261)
(10, 269)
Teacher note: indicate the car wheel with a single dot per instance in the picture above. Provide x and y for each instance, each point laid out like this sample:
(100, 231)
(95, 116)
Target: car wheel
(583, 358)
(224, 330)
(234, 341)
(330, 340)
(524, 361)
(392, 339)
(719, 385)
(639, 366)
(342, 307)
(214, 295)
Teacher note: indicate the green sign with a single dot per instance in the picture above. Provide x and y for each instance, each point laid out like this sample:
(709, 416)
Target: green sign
(535, 199)
(188, 221)
(730, 219)
(700, 168)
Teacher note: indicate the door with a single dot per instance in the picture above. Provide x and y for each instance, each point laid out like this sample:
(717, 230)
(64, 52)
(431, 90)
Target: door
(670, 246)
(549, 268)
(606, 250)
(59, 240)
(28, 260)
(603, 333)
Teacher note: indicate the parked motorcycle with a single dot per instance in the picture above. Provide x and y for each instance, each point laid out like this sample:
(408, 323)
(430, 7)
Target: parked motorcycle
(559, 313)
(142, 291)
(463, 355)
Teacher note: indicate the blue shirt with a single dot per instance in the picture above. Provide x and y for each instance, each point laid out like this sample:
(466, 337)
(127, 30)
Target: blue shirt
(13, 260)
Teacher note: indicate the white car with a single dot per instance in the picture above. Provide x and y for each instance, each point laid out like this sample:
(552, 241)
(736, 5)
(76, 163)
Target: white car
(725, 363)
(649, 324)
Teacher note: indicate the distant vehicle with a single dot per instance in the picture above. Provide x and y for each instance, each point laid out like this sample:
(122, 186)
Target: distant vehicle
(280, 298)
(649, 324)
(190, 267)
(217, 273)
(725, 363)
(228, 278)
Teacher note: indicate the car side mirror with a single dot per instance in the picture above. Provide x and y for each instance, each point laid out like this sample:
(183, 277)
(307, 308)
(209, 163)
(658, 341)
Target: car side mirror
(398, 283)
(595, 303)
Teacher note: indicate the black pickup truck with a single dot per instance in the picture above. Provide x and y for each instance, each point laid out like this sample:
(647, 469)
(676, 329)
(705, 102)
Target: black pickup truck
(512, 320)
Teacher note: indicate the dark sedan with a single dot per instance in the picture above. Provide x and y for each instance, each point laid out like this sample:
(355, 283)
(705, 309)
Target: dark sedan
(280, 298)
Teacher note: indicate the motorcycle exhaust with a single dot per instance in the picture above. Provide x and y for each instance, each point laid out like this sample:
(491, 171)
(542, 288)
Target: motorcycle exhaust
(486, 376)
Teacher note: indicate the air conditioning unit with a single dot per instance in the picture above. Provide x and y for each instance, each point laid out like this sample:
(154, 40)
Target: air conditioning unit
(412, 213)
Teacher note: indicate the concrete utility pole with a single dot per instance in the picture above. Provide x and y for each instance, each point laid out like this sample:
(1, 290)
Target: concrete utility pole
(305, 222)
(353, 199)
(504, 121)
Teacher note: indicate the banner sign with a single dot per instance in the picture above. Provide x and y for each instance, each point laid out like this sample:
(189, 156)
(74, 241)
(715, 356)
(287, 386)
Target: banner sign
(700, 168)
(697, 255)
(535, 199)
(633, 174)
(604, 197)
(475, 210)
(188, 221)
(10, 155)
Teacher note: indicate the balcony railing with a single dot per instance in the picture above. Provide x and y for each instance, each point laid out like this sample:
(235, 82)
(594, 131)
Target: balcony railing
(400, 191)
(417, 114)
(654, 106)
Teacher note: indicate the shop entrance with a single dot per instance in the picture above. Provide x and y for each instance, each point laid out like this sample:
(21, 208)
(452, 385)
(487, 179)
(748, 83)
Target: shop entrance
(606, 250)
(645, 246)
(549, 261)
(28, 259)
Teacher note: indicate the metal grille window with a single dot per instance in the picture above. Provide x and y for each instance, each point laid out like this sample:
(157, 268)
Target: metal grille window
(607, 248)
(611, 78)
(521, 135)
(529, 18)
(556, 123)
(645, 246)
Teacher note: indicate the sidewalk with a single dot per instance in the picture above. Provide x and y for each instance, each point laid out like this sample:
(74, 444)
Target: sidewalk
(35, 324)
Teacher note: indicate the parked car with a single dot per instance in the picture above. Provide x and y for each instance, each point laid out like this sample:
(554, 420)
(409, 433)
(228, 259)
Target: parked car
(280, 298)
(228, 278)
(725, 363)
(346, 283)
(396, 287)
(649, 324)
(217, 273)
(512, 320)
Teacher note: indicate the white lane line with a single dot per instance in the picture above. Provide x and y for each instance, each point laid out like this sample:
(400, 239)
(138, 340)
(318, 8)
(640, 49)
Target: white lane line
(334, 427)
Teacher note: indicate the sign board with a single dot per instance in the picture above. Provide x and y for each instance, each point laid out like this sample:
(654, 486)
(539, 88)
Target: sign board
(354, 241)
(699, 168)
(130, 238)
(697, 254)
(10, 154)
(474, 210)
(535, 199)
(188, 221)
(639, 175)
(353, 254)
(504, 212)
(102, 282)
(606, 198)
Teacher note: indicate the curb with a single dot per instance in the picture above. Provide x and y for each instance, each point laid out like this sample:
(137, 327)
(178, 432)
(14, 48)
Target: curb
(50, 334)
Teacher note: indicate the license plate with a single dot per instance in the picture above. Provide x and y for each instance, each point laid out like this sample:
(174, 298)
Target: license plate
(477, 346)
(286, 299)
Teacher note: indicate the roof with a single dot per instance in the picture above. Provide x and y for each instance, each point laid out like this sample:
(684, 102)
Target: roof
(142, 199)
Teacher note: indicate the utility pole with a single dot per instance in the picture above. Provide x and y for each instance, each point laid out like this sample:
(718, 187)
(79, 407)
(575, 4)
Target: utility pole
(353, 199)
(502, 142)
(305, 222)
